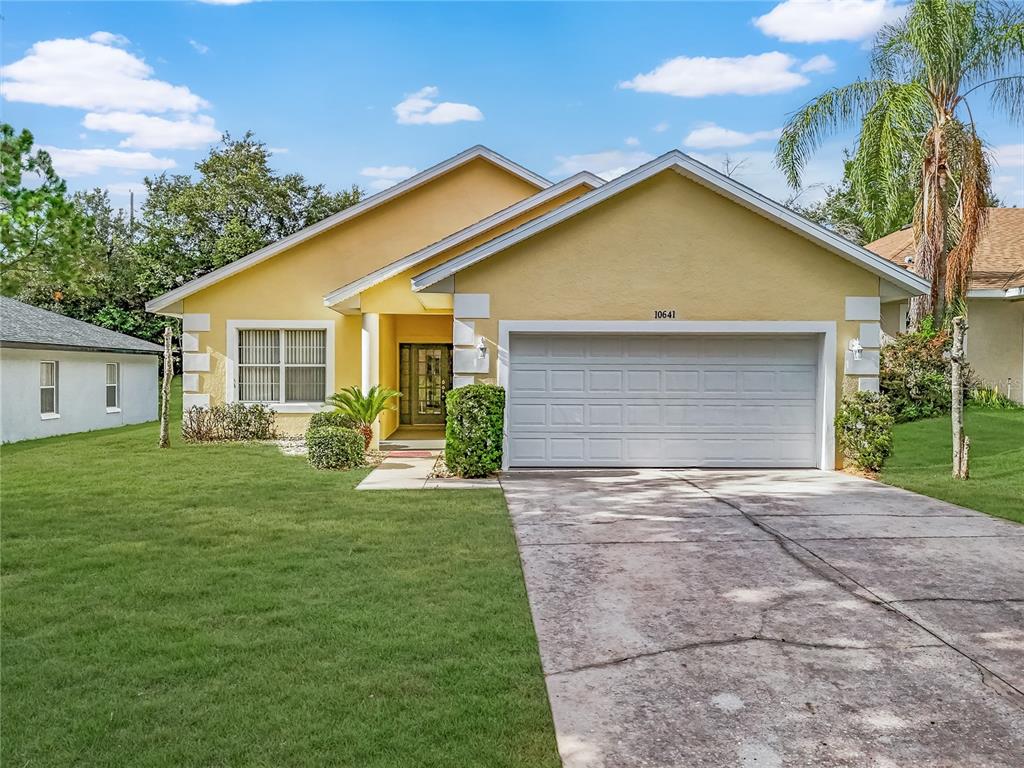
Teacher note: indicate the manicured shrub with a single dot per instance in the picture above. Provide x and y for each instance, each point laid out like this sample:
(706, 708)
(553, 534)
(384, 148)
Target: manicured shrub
(237, 421)
(333, 418)
(473, 432)
(864, 430)
(915, 374)
(334, 448)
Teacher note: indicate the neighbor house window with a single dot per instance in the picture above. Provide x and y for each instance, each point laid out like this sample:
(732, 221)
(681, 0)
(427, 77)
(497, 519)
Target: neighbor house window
(282, 366)
(113, 390)
(48, 382)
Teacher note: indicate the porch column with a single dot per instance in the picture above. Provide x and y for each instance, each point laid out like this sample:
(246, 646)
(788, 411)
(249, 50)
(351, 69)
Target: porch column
(371, 362)
(371, 350)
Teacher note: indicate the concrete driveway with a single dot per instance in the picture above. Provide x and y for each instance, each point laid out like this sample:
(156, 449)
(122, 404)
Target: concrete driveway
(797, 618)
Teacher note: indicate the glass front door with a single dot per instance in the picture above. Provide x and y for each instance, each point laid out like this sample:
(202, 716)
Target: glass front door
(426, 376)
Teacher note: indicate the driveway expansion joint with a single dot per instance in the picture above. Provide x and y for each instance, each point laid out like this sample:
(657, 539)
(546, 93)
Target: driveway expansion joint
(989, 678)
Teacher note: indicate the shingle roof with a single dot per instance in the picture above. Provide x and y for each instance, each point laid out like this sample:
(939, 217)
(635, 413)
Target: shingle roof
(22, 325)
(998, 262)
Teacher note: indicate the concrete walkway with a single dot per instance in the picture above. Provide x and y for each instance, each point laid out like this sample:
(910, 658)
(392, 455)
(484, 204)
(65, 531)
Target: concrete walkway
(696, 618)
(410, 471)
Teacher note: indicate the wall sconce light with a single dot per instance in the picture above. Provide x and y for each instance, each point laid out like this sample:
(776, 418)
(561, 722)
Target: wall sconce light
(857, 349)
(481, 346)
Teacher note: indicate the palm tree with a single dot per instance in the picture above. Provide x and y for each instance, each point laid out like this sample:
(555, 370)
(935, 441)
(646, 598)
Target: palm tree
(915, 108)
(363, 408)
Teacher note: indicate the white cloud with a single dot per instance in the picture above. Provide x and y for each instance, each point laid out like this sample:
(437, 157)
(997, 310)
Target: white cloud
(710, 136)
(607, 165)
(820, 63)
(1008, 155)
(632, 141)
(756, 168)
(199, 47)
(698, 76)
(384, 176)
(109, 38)
(82, 162)
(149, 132)
(278, 150)
(92, 75)
(125, 188)
(420, 108)
(816, 21)
(660, 127)
(226, 2)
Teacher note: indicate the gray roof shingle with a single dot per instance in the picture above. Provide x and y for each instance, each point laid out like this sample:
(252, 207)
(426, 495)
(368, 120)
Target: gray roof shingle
(22, 325)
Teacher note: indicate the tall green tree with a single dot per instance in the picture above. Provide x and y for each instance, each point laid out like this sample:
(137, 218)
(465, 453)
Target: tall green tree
(915, 110)
(42, 232)
(235, 204)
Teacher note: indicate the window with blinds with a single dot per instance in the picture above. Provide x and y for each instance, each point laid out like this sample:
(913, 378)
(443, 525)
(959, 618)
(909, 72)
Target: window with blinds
(282, 366)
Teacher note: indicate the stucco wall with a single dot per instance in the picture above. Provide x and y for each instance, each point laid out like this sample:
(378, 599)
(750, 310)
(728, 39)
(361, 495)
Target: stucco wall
(668, 244)
(995, 343)
(81, 395)
(291, 285)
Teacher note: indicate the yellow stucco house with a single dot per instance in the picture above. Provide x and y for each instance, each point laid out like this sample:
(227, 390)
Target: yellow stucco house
(671, 317)
(995, 299)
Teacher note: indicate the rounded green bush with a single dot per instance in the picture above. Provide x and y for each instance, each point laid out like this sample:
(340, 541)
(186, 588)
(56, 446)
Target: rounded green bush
(864, 429)
(473, 431)
(333, 418)
(334, 448)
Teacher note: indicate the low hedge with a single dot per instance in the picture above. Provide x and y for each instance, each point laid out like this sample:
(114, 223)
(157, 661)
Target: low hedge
(864, 429)
(334, 448)
(237, 421)
(332, 418)
(473, 431)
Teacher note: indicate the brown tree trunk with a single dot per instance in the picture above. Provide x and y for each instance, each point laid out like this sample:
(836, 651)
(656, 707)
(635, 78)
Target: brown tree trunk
(961, 444)
(930, 261)
(165, 391)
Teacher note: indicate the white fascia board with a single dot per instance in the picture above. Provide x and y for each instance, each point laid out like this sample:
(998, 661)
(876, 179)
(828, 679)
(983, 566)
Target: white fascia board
(160, 303)
(995, 293)
(468, 233)
(708, 177)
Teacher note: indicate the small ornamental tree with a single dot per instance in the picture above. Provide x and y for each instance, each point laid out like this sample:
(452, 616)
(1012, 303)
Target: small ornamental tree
(364, 407)
(473, 431)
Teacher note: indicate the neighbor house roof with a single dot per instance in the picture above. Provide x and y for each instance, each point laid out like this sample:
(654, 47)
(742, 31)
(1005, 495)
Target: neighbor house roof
(463, 235)
(22, 325)
(998, 261)
(701, 174)
(161, 303)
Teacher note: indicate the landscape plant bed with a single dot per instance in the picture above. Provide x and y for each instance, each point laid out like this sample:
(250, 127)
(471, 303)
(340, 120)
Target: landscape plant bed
(223, 604)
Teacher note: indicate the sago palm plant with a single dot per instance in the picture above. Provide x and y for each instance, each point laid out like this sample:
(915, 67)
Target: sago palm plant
(916, 108)
(363, 407)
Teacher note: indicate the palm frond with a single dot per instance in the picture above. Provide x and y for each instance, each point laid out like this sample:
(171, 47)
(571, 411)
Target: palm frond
(834, 110)
(890, 141)
(362, 407)
(970, 213)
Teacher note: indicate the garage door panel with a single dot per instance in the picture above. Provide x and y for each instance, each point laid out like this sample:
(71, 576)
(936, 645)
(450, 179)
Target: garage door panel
(650, 400)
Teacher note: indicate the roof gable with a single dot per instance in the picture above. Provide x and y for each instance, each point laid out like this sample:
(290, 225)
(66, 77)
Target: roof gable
(701, 174)
(161, 303)
(462, 236)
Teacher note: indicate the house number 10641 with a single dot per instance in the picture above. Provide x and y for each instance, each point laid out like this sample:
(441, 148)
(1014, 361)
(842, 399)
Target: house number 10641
(664, 314)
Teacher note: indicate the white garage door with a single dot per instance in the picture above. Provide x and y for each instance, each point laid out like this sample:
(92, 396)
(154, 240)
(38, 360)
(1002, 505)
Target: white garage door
(662, 401)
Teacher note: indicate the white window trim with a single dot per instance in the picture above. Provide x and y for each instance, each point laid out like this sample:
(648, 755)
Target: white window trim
(116, 385)
(825, 330)
(231, 379)
(56, 390)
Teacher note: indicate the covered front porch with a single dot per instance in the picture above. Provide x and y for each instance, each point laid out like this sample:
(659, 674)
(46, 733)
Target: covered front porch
(412, 354)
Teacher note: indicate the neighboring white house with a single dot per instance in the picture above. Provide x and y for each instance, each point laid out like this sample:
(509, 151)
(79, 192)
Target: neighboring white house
(59, 375)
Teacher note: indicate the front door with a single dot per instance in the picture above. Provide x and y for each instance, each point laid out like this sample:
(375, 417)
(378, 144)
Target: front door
(425, 372)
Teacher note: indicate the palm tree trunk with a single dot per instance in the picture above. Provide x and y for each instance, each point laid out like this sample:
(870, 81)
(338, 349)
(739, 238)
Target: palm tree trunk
(931, 241)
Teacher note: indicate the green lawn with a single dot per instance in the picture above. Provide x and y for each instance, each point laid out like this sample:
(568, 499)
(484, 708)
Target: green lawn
(922, 461)
(226, 605)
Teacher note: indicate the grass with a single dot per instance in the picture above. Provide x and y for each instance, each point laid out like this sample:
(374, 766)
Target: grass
(224, 605)
(922, 461)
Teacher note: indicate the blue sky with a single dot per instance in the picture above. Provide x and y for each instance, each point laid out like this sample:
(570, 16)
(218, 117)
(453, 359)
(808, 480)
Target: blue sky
(368, 93)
